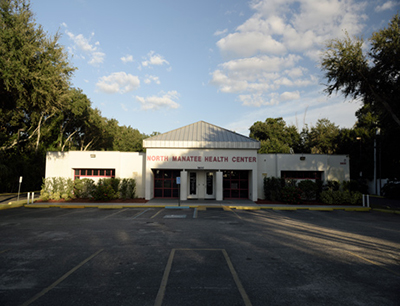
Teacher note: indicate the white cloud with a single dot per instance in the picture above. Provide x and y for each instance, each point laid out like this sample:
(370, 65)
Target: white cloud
(127, 59)
(151, 78)
(83, 44)
(267, 55)
(153, 59)
(118, 82)
(386, 6)
(165, 100)
(218, 33)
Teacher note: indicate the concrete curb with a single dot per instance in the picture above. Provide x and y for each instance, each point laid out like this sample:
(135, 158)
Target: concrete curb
(200, 207)
(388, 211)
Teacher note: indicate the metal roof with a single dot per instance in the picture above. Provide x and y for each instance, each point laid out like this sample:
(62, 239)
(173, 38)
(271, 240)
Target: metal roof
(201, 135)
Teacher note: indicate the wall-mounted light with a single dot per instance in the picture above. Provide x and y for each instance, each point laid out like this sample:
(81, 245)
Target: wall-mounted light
(302, 158)
(92, 155)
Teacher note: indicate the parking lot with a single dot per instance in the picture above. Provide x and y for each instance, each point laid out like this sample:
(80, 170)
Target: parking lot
(159, 256)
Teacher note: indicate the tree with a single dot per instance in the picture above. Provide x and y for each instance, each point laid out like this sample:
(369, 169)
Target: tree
(374, 77)
(275, 136)
(323, 137)
(34, 76)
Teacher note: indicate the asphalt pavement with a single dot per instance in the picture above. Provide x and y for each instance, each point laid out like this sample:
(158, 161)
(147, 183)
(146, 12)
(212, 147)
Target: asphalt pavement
(198, 256)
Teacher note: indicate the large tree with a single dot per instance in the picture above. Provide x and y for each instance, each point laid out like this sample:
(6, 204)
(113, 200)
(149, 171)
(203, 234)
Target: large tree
(275, 136)
(34, 76)
(372, 76)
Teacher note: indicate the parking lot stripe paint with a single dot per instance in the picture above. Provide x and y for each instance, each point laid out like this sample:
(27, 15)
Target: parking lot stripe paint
(139, 214)
(164, 281)
(62, 278)
(235, 276)
(195, 213)
(115, 213)
(156, 213)
(374, 263)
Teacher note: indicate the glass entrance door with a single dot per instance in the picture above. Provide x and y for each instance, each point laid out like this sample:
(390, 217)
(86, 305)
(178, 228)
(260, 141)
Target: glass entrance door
(210, 188)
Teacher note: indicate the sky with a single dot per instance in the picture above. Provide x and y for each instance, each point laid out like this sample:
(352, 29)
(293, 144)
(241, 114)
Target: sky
(158, 65)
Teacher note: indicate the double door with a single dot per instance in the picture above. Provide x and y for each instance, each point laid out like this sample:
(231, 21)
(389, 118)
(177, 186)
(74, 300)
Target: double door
(201, 185)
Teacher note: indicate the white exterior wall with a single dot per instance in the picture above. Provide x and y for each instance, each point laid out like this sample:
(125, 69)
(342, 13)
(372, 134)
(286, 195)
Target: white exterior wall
(200, 160)
(139, 166)
(126, 164)
(334, 167)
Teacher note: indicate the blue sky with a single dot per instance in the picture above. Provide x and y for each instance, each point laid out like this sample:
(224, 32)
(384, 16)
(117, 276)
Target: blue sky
(158, 65)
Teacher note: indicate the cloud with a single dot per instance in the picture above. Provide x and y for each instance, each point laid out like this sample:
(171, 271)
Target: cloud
(266, 56)
(151, 78)
(127, 59)
(83, 45)
(153, 59)
(166, 100)
(218, 33)
(118, 82)
(386, 6)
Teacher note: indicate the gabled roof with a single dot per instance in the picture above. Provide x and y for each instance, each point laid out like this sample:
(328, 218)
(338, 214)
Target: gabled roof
(201, 135)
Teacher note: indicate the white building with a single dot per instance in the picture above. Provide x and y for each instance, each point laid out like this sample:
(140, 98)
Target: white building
(198, 161)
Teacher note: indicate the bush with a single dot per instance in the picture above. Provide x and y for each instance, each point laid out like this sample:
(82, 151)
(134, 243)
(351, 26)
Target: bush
(273, 187)
(104, 190)
(127, 189)
(391, 190)
(84, 188)
(55, 188)
(341, 197)
(291, 194)
(309, 189)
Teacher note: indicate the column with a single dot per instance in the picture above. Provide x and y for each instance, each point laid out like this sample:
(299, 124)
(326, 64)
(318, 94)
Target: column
(183, 195)
(219, 190)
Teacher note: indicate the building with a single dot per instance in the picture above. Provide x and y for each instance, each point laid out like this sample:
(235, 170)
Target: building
(197, 161)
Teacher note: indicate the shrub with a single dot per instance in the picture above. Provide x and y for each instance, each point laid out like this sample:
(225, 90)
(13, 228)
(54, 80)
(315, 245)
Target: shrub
(341, 197)
(55, 188)
(354, 186)
(309, 189)
(291, 194)
(84, 188)
(273, 187)
(391, 190)
(127, 189)
(104, 190)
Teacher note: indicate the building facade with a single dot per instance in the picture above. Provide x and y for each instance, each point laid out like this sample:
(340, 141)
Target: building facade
(198, 161)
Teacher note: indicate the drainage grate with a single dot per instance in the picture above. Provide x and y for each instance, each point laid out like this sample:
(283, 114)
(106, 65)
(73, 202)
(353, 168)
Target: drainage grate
(175, 216)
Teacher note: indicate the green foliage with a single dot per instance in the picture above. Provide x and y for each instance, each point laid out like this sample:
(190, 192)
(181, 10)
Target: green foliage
(291, 194)
(309, 189)
(275, 136)
(127, 189)
(391, 190)
(323, 138)
(104, 190)
(371, 76)
(273, 187)
(55, 188)
(341, 197)
(84, 188)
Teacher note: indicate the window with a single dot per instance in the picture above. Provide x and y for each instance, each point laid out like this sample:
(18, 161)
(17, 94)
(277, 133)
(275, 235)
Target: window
(165, 183)
(93, 173)
(236, 184)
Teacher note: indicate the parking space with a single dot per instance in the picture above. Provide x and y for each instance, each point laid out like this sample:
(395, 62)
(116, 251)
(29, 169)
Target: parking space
(213, 256)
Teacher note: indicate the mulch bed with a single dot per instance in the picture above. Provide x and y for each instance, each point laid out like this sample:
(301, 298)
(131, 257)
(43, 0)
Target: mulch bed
(139, 200)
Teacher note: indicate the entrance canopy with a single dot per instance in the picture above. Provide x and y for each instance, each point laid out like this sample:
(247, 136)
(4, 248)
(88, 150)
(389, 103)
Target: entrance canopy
(201, 135)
